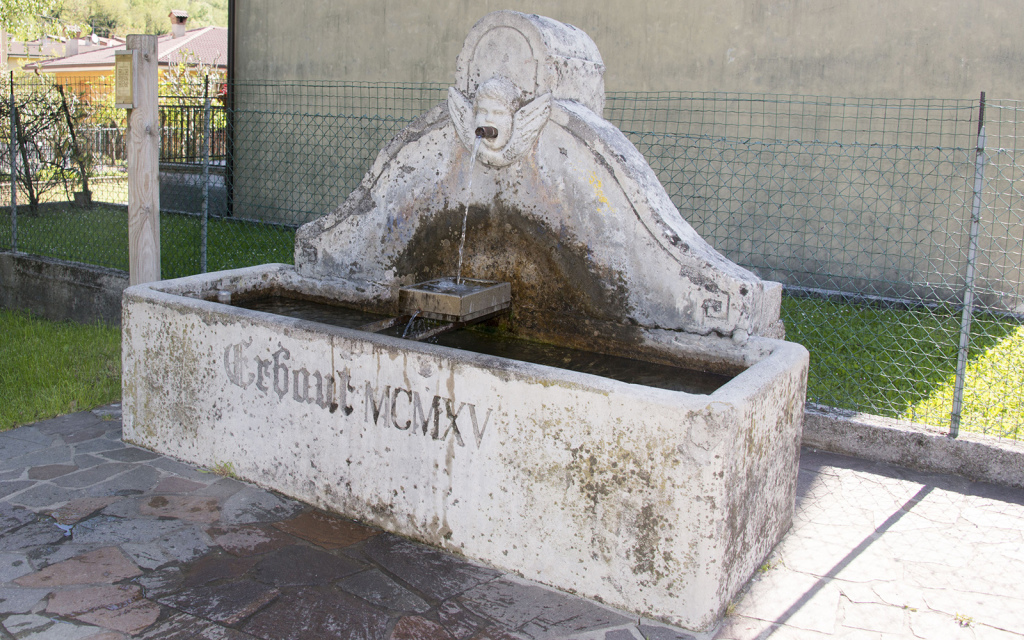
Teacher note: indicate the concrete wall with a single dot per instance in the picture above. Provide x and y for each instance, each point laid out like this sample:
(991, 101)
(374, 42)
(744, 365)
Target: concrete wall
(884, 212)
(58, 290)
(915, 48)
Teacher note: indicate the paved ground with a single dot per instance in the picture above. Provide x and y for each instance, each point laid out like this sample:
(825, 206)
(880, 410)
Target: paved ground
(104, 541)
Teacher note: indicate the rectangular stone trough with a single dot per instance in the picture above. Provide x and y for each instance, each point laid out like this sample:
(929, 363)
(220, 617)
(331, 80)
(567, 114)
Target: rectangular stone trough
(658, 502)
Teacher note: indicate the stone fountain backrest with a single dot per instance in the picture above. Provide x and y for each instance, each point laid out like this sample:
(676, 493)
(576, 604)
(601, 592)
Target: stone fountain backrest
(563, 206)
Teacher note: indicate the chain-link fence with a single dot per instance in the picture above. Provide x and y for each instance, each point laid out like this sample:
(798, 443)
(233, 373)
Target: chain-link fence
(902, 272)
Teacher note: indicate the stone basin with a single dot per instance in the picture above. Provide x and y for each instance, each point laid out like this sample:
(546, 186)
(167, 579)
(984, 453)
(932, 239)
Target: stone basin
(658, 502)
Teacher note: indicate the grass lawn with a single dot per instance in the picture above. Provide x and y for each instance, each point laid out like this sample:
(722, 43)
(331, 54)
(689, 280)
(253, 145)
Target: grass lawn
(902, 363)
(892, 362)
(100, 236)
(53, 368)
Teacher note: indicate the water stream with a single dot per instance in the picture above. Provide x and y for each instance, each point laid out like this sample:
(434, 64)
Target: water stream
(409, 325)
(465, 216)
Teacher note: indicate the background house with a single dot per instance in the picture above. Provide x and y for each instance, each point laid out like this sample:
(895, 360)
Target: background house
(208, 46)
(21, 54)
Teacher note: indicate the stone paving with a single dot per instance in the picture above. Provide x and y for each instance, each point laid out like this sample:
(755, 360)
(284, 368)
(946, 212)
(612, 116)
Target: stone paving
(105, 541)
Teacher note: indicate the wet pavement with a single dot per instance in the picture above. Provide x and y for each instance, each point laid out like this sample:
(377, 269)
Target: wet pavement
(104, 540)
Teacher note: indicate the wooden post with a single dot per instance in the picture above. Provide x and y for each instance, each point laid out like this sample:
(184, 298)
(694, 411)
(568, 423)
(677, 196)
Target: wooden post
(144, 166)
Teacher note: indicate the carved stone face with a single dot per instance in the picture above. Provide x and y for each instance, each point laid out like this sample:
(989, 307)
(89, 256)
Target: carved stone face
(495, 113)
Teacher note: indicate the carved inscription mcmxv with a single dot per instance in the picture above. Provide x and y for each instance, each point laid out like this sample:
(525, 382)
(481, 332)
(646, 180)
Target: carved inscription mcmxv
(283, 380)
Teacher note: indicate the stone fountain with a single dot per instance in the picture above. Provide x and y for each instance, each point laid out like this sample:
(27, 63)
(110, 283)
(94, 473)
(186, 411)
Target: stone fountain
(658, 501)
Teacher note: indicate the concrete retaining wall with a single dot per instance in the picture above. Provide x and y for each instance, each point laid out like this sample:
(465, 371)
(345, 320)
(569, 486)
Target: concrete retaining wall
(862, 435)
(60, 290)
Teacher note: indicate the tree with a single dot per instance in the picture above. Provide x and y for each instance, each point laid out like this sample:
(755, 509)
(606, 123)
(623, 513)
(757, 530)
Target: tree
(24, 19)
(48, 156)
(187, 77)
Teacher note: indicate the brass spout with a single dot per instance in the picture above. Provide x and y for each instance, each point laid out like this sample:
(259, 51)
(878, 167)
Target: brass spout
(486, 132)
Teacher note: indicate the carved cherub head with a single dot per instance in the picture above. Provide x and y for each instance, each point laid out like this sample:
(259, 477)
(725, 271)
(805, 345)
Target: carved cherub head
(497, 103)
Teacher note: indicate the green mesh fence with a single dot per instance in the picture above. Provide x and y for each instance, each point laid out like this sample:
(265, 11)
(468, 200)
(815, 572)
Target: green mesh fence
(865, 209)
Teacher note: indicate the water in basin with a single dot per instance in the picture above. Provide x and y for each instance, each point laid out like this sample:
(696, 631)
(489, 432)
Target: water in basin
(496, 344)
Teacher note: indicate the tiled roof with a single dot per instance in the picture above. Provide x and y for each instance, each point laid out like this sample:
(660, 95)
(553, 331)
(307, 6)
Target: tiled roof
(210, 44)
(51, 46)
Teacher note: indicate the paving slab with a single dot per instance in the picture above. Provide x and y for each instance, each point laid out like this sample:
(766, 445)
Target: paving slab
(82, 435)
(92, 475)
(13, 565)
(251, 505)
(57, 454)
(13, 488)
(536, 611)
(37, 627)
(46, 555)
(129, 454)
(433, 573)
(174, 485)
(459, 621)
(325, 530)
(216, 567)
(43, 495)
(248, 540)
(17, 600)
(98, 445)
(132, 482)
(299, 565)
(40, 532)
(81, 508)
(191, 508)
(106, 565)
(121, 607)
(319, 612)
(51, 471)
(875, 552)
(68, 424)
(419, 628)
(159, 583)
(378, 589)
(86, 460)
(182, 626)
(228, 603)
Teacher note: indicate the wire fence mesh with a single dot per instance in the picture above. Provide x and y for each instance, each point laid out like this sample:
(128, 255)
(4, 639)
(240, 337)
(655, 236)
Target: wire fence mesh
(862, 208)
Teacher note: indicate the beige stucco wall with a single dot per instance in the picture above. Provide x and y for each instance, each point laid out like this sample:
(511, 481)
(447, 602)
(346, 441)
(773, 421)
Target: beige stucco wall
(818, 217)
(879, 48)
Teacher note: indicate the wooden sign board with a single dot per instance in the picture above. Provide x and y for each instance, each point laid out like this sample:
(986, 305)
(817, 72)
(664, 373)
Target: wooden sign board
(124, 79)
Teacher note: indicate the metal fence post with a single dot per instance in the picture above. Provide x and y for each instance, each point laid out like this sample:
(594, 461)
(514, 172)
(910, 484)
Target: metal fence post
(14, 170)
(972, 252)
(206, 175)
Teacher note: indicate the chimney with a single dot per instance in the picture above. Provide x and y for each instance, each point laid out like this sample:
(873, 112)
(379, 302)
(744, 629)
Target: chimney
(71, 44)
(179, 19)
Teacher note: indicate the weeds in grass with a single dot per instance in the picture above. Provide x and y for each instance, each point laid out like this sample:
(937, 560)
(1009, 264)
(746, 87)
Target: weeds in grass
(53, 368)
